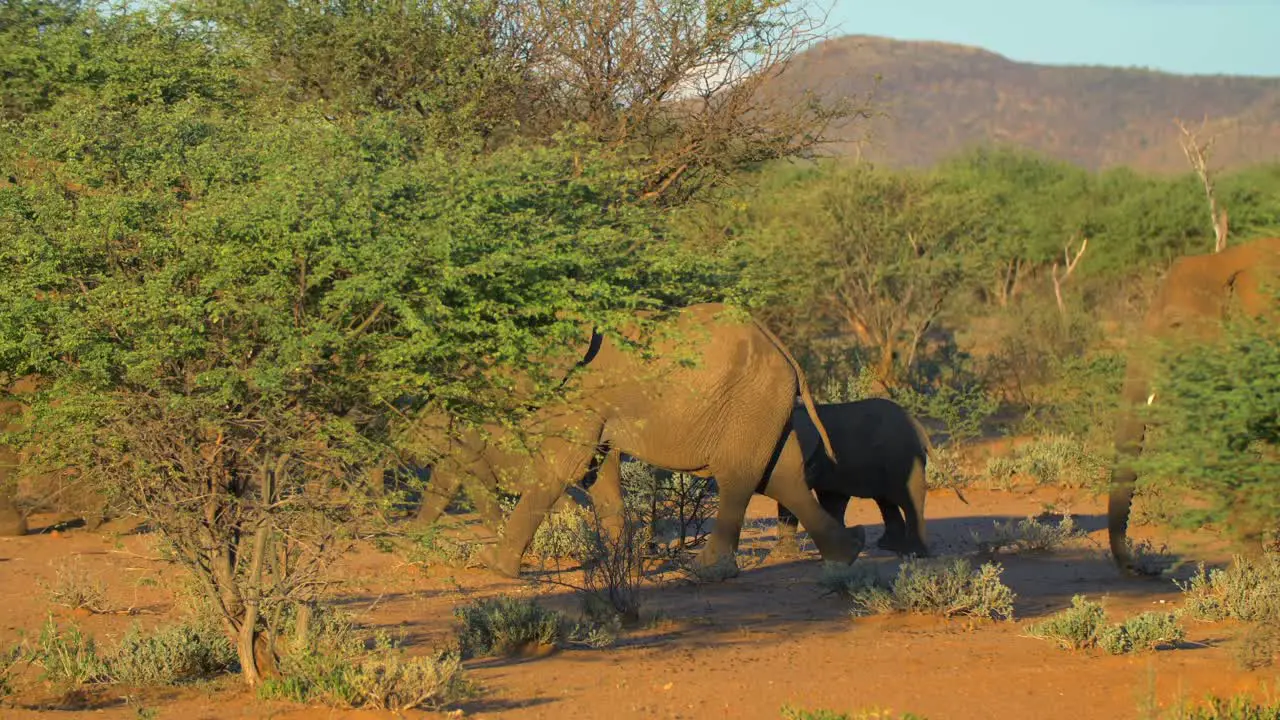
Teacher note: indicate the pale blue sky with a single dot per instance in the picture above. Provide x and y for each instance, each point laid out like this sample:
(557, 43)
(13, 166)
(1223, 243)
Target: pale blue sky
(1237, 37)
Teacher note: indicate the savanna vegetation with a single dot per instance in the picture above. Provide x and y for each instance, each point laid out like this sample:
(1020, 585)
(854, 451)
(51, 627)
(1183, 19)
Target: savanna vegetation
(243, 245)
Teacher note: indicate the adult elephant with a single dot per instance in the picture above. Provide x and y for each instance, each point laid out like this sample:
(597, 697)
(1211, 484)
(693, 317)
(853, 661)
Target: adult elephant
(881, 453)
(714, 399)
(1189, 305)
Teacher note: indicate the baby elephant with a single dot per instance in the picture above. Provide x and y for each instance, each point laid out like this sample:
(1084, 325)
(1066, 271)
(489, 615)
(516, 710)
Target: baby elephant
(881, 454)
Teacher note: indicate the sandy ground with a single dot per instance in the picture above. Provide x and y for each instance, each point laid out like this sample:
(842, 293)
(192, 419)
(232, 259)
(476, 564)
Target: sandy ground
(738, 649)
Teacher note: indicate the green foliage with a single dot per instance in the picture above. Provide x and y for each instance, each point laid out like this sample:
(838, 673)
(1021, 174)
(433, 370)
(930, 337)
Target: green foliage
(1219, 426)
(1058, 460)
(1248, 590)
(940, 586)
(793, 713)
(338, 664)
(1084, 625)
(507, 625)
(1029, 535)
(166, 656)
(1237, 707)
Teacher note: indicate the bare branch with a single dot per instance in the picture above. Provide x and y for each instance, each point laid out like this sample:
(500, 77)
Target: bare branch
(1071, 266)
(1197, 153)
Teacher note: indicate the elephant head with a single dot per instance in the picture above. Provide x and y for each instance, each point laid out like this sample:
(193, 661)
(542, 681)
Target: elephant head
(1190, 305)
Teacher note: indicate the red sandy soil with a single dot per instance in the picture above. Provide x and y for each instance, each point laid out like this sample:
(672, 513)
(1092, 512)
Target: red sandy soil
(738, 649)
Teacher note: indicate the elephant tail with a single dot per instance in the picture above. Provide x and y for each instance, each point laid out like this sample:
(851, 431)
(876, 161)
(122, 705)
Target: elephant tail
(804, 388)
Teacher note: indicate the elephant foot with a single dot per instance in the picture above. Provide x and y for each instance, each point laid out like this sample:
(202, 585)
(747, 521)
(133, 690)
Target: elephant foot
(497, 562)
(717, 569)
(853, 542)
(902, 546)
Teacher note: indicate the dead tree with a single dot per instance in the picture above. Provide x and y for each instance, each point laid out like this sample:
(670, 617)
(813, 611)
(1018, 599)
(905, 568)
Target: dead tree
(1071, 266)
(1197, 153)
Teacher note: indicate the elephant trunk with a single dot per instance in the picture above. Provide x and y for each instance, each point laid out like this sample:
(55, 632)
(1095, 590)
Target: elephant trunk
(1129, 435)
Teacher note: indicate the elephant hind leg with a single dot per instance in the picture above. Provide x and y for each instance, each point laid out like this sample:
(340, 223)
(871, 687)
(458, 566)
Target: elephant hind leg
(915, 540)
(787, 486)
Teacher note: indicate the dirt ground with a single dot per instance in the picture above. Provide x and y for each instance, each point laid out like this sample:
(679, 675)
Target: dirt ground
(738, 649)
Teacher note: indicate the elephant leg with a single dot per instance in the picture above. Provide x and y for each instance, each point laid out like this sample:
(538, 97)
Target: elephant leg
(606, 495)
(720, 552)
(787, 485)
(438, 492)
(917, 492)
(835, 503)
(895, 527)
(555, 467)
(787, 545)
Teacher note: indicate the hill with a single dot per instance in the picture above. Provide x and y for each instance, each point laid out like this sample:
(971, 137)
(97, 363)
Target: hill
(942, 98)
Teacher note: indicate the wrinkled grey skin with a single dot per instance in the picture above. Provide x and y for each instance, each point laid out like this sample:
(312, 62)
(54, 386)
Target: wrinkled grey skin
(1190, 305)
(881, 454)
(726, 416)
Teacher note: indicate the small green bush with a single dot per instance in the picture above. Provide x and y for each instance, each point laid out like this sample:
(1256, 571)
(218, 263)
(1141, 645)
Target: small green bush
(1248, 589)
(433, 546)
(1060, 460)
(1239, 707)
(170, 655)
(565, 534)
(1143, 632)
(941, 586)
(1084, 625)
(506, 625)
(341, 665)
(166, 656)
(792, 713)
(1027, 536)
(1075, 628)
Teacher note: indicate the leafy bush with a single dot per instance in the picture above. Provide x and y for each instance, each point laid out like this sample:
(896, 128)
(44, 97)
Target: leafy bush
(76, 588)
(1219, 427)
(337, 663)
(792, 713)
(1059, 460)
(1027, 536)
(1238, 707)
(567, 533)
(1083, 625)
(166, 656)
(941, 586)
(507, 625)
(432, 545)
(1248, 589)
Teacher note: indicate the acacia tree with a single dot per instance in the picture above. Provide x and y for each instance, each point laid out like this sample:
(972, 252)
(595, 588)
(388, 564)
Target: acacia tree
(229, 300)
(696, 89)
(879, 253)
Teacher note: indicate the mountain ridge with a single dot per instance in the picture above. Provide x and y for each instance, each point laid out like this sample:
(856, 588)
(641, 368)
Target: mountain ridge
(942, 98)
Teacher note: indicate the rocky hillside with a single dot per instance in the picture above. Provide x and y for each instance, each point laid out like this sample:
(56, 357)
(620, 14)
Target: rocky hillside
(941, 98)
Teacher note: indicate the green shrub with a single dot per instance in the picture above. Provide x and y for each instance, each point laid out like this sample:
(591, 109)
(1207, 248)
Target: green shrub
(1075, 628)
(1059, 460)
(165, 656)
(565, 534)
(1084, 625)
(170, 655)
(1248, 589)
(506, 625)
(1146, 631)
(432, 546)
(1027, 536)
(792, 713)
(1219, 432)
(941, 586)
(1239, 707)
